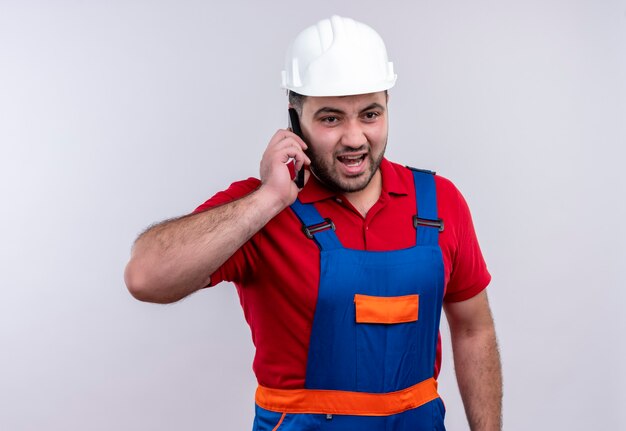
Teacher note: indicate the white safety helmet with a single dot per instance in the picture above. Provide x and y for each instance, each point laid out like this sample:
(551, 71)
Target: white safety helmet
(337, 57)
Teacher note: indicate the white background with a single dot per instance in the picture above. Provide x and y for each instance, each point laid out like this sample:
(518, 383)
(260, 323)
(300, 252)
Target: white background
(114, 115)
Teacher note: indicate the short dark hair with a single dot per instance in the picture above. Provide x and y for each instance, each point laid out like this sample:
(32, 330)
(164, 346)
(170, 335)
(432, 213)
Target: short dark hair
(296, 100)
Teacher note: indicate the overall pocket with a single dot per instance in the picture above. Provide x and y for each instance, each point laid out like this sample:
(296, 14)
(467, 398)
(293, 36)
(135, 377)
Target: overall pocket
(386, 309)
(266, 420)
(386, 342)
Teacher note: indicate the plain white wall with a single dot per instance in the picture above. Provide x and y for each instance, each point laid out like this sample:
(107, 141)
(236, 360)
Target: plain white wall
(114, 115)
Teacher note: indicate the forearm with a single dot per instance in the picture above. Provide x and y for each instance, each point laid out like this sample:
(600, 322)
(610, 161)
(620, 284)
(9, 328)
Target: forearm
(479, 375)
(175, 258)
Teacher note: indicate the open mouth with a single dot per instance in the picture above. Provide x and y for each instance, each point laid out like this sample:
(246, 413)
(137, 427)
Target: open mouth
(352, 161)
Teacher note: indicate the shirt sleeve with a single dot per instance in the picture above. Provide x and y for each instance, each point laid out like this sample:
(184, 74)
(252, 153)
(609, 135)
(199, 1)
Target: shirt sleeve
(469, 275)
(235, 266)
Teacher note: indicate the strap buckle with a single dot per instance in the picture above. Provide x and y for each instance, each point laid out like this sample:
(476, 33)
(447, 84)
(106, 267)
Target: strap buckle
(438, 223)
(309, 231)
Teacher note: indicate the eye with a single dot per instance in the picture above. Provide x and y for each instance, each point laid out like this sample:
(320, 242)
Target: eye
(372, 115)
(329, 120)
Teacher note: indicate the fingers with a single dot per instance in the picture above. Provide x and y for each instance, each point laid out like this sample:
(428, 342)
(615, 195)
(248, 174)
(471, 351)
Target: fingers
(277, 165)
(286, 145)
(286, 134)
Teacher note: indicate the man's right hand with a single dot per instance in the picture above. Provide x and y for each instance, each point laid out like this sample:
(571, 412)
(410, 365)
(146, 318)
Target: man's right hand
(275, 175)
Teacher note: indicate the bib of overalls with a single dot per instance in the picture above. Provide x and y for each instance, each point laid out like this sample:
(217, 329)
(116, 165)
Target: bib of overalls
(376, 323)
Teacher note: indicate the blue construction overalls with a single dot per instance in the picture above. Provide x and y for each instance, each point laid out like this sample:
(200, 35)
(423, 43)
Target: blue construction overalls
(374, 337)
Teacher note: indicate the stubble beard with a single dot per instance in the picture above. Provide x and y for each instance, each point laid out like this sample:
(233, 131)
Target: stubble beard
(327, 173)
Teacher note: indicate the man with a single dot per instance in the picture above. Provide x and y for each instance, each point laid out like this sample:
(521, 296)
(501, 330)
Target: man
(342, 282)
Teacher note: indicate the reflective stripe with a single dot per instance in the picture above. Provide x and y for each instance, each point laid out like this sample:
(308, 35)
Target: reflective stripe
(320, 401)
(386, 309)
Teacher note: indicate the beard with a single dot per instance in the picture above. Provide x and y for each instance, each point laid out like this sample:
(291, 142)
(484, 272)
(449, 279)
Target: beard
(327, 172)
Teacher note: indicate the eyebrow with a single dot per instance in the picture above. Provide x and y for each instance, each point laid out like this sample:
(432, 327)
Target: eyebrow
(329, 110)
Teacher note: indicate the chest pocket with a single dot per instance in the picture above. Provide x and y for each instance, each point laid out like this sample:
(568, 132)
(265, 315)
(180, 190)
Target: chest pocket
(386, 309)
(386, 341)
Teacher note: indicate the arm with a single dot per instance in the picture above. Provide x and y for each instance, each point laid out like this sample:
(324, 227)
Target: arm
(176, 258)
(477, 361)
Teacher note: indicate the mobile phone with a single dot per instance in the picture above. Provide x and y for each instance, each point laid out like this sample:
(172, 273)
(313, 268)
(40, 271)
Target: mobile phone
(294, 125)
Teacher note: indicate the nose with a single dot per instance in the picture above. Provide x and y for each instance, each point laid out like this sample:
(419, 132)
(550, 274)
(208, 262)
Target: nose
(353, 135)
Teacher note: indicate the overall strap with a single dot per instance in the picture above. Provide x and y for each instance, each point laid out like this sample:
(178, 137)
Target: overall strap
(315, 227)
(426, 222)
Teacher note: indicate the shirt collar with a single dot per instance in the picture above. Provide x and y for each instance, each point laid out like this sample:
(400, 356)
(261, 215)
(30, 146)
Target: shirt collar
(315, 191)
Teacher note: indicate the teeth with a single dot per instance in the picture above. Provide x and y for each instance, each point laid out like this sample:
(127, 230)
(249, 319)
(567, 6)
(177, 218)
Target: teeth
(352, 162)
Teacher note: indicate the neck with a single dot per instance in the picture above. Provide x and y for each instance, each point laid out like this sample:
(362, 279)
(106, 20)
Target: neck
(364, 200)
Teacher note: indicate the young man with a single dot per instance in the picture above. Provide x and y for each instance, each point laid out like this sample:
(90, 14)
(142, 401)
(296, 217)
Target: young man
(342, 282)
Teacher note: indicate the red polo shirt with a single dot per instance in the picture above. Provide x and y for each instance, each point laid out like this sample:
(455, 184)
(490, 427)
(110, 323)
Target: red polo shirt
(277, 271)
